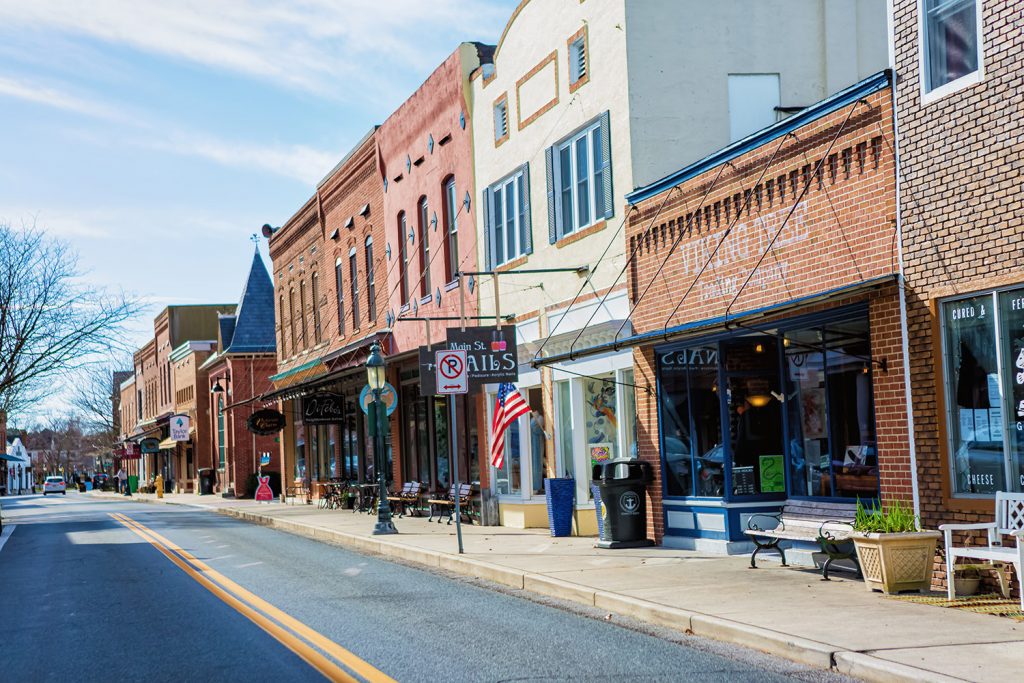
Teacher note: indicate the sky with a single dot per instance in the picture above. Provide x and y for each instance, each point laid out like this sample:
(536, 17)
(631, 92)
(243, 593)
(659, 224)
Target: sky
(156, 136)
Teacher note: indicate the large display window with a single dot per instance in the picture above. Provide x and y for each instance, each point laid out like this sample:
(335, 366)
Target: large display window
(983, 366)
(765, 413)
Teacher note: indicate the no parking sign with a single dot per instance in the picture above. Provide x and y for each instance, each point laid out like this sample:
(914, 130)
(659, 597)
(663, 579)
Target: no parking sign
(452, 373)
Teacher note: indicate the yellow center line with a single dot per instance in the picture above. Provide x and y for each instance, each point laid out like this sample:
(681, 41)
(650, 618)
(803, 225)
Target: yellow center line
(350, 660)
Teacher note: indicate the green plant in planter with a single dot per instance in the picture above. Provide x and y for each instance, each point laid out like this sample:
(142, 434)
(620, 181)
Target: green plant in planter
(895, 518)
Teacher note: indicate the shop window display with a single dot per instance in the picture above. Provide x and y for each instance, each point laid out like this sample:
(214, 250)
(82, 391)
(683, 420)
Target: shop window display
(565, 431)
(983, 349)
(601, 422)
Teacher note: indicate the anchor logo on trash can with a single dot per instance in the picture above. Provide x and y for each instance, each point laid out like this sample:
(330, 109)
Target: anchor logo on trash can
(629, 503)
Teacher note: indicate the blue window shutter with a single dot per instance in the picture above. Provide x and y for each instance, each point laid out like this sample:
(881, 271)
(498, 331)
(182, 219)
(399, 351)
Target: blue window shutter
(553, 213)
(574, 61)
(488, 227)
(606, 168)
(527, 226)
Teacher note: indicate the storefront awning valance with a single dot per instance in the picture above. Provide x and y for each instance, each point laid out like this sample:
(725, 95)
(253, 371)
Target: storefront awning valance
(168, 444)
(299, 374)
(698, 327)
(11, 457)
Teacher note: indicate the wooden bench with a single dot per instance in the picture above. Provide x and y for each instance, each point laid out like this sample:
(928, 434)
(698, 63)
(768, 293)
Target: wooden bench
(444, 506)
(408, 498)
(299, 489)
(1009, 522)
(830, 525)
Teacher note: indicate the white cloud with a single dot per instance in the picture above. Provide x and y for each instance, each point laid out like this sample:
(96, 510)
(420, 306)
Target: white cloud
(292, 161)
(51, 97)
(326, 46)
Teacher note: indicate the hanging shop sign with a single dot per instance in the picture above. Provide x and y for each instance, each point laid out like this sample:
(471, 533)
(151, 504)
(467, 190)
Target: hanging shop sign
(388, 395)
(265, 422)
(323, 408)
(491, 354)
(428, 373)
(180, 426)
(149, 445)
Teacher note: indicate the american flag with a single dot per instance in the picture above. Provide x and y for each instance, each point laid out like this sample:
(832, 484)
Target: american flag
(509, 407)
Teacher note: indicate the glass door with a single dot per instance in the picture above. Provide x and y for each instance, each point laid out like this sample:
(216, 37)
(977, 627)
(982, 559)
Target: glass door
(754, 415)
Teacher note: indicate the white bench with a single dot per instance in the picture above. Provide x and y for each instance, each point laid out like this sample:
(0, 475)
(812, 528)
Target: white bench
(1009, 522)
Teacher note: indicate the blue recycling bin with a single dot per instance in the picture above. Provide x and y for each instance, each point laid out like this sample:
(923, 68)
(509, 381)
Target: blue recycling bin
(560, 493)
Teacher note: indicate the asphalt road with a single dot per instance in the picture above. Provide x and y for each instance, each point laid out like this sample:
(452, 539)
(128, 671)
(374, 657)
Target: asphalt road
(88, 595)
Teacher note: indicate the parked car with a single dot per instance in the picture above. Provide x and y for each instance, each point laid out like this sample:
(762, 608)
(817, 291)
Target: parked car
(55, 485)
(99, 480)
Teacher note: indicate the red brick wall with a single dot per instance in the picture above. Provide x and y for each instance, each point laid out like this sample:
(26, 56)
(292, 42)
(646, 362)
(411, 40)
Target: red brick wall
(963, 216)
(413, 171)
(841, 233)
(303, 246)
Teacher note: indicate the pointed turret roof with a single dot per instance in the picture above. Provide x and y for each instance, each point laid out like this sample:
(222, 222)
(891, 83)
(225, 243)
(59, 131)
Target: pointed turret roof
(253, 328)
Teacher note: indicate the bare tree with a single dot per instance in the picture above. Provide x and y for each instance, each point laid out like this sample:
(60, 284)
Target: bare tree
(95, 391)
(51, 323)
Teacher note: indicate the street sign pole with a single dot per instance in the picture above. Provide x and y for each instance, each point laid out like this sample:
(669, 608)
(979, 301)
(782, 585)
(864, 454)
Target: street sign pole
(453, 440)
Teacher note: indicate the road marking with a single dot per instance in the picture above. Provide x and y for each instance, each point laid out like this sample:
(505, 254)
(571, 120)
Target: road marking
(202, 570)
(328, 668)
(247, 564)
(8, 530)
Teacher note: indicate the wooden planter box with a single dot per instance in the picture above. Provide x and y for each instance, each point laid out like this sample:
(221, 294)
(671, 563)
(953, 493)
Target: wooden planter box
(893, 563)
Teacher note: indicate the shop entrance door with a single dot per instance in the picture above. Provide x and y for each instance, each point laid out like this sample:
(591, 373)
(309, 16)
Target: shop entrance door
(754, 415)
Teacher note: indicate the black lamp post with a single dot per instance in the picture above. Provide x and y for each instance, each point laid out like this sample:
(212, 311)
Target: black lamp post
(378, 430)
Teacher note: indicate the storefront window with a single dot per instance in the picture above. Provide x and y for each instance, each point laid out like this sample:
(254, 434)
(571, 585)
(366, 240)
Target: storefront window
(442, 452)
(977, 423)
(508, 478)
(300, 452)
(692, 422)
(628, 397)
(565, 431)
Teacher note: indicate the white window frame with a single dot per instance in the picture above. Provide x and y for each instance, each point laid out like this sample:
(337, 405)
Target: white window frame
(508, 182)
(592, 133)
(931, 95)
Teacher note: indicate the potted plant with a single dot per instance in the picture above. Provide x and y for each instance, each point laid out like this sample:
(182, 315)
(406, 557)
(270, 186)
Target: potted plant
(895, 554)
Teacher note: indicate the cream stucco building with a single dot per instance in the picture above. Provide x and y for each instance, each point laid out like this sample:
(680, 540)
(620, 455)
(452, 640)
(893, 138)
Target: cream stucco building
(586, 100)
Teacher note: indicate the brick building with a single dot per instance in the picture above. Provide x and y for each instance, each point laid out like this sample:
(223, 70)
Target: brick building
(330, 274)
(959, 104)
(767, 339)
(192, 398)
(426, 152)
(236, 374)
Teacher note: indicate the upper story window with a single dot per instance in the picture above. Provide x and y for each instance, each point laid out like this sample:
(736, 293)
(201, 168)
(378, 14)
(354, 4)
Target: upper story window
(451, 230)
(314, 291)
(579, 67)
(291, 319)
(302, 313)
(501, 119)
(951, 44)
(403, 258)
(280, 325)
(339, 285)
(507, 207)
(371, 289)
(753, 99)
(353, 281)
(424, 220)
(579, 180)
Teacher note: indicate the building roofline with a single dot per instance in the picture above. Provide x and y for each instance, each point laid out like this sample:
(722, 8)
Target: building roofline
(830, 104)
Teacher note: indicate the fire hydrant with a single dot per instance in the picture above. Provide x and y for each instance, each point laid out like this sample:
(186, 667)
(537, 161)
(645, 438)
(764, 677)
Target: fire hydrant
(159, 486)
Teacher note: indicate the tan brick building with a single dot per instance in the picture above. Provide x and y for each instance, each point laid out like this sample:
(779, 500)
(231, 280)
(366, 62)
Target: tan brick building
(959, 103)
(766, 324)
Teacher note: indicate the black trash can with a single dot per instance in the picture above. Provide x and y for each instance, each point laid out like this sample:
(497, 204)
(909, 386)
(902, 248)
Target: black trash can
(623, 484)
(207, 479)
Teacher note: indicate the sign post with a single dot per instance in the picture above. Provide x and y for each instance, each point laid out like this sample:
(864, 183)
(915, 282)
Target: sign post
(453, 378)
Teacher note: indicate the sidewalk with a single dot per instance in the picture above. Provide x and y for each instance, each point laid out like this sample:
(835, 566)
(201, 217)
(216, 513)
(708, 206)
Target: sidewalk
(788, 612)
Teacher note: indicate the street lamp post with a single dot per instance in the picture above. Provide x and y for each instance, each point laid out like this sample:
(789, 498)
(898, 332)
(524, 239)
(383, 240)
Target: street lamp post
(378, 430)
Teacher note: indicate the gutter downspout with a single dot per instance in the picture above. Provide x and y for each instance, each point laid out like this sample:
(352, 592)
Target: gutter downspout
(901, 283)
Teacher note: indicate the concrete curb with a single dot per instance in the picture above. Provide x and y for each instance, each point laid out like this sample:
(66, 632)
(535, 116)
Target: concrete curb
(811, 653)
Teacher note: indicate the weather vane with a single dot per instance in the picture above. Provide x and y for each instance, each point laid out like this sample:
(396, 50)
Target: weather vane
(255, 239)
